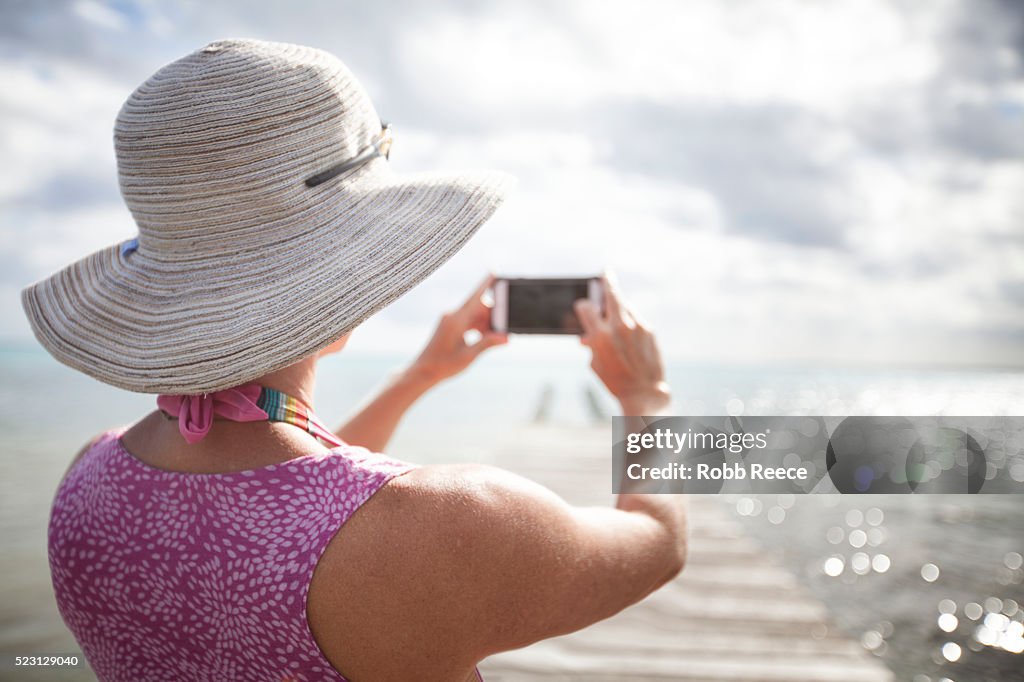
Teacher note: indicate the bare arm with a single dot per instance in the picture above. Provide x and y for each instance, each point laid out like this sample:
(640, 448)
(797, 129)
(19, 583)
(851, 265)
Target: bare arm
(446, 355)
(473, 560)
(461, 562)
(625, 356)
(375, 423)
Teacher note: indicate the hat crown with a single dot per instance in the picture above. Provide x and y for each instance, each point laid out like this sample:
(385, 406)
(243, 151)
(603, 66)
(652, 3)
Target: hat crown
(217, 145)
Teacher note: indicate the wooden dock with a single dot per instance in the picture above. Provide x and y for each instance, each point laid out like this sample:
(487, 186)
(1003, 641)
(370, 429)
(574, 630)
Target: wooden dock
(734, 614)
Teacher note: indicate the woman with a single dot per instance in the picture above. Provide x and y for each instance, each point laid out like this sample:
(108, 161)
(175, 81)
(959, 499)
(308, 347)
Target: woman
(230, 535)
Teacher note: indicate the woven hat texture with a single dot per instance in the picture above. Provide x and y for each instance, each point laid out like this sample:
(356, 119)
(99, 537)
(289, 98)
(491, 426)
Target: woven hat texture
(240, 268)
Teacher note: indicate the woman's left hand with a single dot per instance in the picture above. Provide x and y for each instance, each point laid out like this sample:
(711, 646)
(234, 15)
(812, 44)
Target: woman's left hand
(446, 355)
(447, 352)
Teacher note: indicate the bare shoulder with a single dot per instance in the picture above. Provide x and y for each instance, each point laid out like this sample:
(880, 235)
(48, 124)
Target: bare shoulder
(458, 562)
(419, 561)
(436, 517)
(465, 494)
(482, 523)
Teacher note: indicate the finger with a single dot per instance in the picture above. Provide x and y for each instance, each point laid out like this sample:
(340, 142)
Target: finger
(488, 340)
(475, 300)
(627, 317)
(640, 322)
(612, 302)
(480, 319)
(618, 309)
(589, 317)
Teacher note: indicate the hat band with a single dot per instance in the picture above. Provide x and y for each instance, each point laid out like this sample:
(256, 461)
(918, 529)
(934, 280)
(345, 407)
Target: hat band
(381, 146)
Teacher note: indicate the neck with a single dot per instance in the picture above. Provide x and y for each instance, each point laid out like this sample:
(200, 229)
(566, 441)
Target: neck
(296, 380)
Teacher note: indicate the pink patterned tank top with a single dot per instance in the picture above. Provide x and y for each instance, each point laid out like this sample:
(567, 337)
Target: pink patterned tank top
(165, 575)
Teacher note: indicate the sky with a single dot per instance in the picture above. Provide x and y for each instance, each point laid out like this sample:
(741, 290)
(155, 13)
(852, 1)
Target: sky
(836, 182)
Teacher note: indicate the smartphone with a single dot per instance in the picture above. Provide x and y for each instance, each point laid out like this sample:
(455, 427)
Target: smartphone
(542, 306)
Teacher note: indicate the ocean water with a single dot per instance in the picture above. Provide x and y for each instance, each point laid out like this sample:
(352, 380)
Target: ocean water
(47, 411)
(507, 388)
(932, 585)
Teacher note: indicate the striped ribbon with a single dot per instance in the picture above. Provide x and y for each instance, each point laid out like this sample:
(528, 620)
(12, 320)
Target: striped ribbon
(281, 407)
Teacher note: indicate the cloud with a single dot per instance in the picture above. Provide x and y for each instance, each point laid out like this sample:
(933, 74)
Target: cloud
(100, 15)
(776, 171)
(58, 182)
(772, 179)
(67, 190)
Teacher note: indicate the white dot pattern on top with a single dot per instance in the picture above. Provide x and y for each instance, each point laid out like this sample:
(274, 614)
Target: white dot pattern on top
(166, 575)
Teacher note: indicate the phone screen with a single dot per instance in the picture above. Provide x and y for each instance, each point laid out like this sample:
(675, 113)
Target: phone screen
(545, 306)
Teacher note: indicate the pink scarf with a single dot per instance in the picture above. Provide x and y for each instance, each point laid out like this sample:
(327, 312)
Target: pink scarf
(196, 412)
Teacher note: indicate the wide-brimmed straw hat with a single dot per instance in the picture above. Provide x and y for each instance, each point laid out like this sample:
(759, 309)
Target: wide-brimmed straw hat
(270, 224)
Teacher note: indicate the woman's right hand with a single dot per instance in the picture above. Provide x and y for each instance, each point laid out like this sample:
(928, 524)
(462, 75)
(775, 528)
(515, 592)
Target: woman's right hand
(625, 354)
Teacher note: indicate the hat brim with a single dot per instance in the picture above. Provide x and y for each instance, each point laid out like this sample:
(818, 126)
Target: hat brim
(150, 326)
